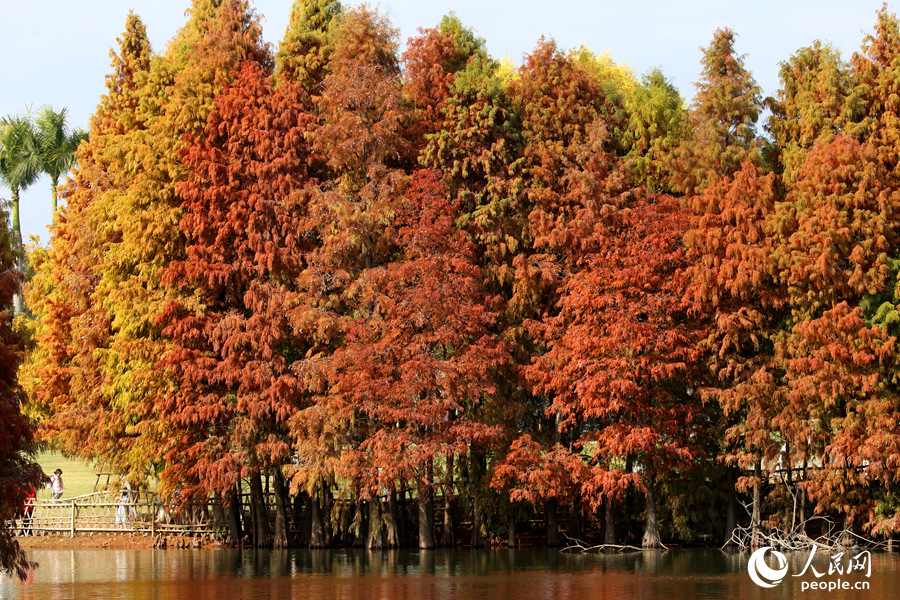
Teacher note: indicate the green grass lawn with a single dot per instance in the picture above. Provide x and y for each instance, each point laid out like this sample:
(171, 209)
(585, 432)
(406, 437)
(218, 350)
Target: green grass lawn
(78, 477)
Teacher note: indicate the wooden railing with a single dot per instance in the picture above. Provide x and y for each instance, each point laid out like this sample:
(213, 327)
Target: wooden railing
(145, 513)
(100, 513)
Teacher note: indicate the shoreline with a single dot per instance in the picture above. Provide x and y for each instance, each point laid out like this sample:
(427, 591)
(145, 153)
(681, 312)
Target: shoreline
(144, 541)
(113, 541)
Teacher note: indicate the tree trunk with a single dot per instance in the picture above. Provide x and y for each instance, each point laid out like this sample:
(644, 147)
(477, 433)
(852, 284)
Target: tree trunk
(576, 529)
(252, 527)
(629, 500)
(403, 517)
(259, 512)
(802, 493)
(316, 525)
(847, 539)
(426, 507)
(551, 509)
(470, 484)
(731, 523)
(282, 500)
(731, 518)
(297, 533)
(756, 516)
(392, 518)
(17, 228)
(791, 489)
(511, 539)
(475, 540)
(233, 511)
(340, 528)
(447, 538)
(651, 525)
(247, 518)
(54, 183)
(305, 510)
(609, 533)
(218, 509)
(359, 526)
(18, 304)
(375, 539)
(325, 512)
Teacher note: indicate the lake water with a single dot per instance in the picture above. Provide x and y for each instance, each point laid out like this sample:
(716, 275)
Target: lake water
(444, 574)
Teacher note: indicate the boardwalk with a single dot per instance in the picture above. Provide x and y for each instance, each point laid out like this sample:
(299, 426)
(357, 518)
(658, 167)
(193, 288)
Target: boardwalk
(100, 513)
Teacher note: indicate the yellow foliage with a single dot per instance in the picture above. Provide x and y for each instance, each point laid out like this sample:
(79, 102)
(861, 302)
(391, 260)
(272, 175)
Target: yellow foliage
(617, 79)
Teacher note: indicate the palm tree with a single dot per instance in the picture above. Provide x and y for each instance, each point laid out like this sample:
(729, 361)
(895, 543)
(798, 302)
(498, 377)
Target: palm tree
(20, 161)
(57, 146)
(20, 166)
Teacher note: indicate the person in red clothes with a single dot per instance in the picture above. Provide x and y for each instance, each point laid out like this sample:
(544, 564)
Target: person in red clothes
(28, 512)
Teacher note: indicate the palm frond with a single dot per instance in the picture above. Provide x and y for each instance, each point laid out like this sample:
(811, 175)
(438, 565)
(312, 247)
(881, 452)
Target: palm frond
(20, 156)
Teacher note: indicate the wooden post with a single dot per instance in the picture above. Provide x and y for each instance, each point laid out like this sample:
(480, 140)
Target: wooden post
(153, 518)
(73, 519)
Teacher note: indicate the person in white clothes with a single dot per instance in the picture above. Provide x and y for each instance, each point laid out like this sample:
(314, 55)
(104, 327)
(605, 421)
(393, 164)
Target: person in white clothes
(56, 485)
(122, 509)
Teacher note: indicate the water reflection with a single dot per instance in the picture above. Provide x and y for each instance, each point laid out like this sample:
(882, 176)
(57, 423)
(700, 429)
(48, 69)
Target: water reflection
(351, 574)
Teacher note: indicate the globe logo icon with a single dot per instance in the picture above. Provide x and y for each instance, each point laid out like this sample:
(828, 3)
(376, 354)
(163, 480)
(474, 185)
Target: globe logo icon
(762, 574)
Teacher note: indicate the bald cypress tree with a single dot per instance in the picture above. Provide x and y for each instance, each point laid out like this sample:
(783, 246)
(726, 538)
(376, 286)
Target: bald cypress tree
(876, 70)
(816, 102)
(66, 372)
(348, 220)
(99, 292)
(231, 344)
(657, 120)
(304, 51)
(722, 120)
(202, 60)
(731, 280)
(431, 62)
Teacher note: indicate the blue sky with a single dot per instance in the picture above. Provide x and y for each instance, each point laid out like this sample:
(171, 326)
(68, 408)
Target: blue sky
(57, 51)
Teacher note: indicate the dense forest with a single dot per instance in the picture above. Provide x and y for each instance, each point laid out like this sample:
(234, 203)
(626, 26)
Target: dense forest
(395, 283)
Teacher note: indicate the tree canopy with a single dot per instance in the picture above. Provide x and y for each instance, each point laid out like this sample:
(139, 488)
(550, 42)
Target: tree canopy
(386, 277)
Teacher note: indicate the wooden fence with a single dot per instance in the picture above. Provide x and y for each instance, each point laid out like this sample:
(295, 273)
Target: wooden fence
(145, 513)
(100, 512)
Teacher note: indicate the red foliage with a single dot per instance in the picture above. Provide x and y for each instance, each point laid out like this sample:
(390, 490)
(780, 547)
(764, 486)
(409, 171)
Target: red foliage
(622, 357)
(417, 361)
(18, 472)
(230, 335)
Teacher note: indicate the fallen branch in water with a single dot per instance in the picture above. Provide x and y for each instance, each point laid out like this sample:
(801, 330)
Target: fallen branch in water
(584, 548)
(797, 539)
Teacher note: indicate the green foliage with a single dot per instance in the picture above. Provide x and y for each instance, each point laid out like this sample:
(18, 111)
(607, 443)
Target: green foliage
(465, 41)
(480, 77)
(617, 79)
(876, 75)
(728, 98)
(815, 103)
(722, 119)
(304, 52)
(20, 162)
(657, 123)
(57, 145)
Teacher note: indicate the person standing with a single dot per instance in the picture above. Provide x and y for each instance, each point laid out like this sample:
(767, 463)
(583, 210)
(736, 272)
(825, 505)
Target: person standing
(56, 485)
(24, 515)
(122, 509)
(28, 512)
